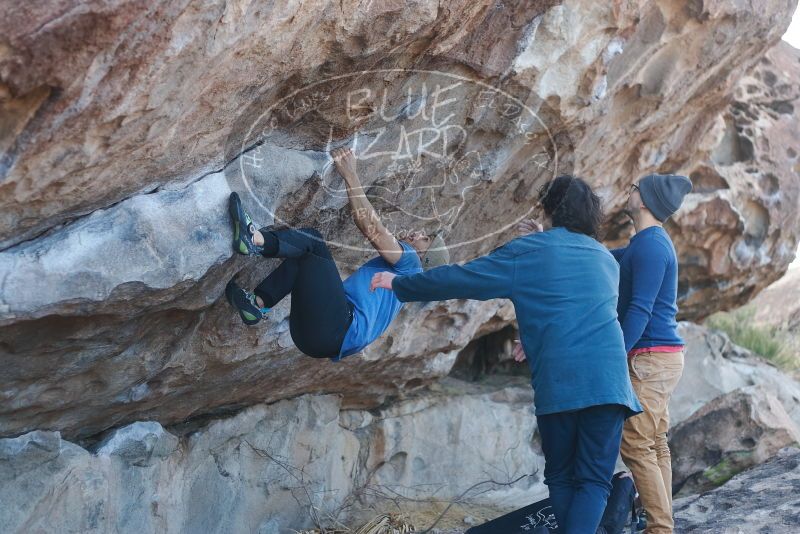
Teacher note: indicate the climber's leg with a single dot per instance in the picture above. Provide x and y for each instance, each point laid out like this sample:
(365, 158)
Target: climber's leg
(258, 238)
(293, 243)
(279, 283)
(321, 313)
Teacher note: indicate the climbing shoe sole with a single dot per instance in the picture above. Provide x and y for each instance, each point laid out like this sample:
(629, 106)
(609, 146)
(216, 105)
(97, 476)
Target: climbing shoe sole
(242, 227)
(238, 298)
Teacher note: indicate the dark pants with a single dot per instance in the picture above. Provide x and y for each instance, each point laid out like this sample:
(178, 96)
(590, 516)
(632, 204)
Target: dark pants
(321, 313)
(580, 450)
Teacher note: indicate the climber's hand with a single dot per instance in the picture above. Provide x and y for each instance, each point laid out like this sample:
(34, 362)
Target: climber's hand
(345, 162)
(383, 279)
(529, 226)
(518, 352)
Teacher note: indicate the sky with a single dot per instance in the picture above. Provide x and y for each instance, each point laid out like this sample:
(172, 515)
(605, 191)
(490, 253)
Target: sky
(792, 35)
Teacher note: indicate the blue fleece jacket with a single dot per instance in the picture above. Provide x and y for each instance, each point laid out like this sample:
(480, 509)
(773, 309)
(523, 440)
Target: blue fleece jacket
(648, 290)
(564, 289)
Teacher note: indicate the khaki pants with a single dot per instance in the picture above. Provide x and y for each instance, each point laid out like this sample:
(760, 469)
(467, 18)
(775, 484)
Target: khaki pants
(644, 437)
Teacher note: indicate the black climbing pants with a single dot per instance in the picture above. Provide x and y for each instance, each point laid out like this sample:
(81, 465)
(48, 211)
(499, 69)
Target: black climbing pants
(321, 313)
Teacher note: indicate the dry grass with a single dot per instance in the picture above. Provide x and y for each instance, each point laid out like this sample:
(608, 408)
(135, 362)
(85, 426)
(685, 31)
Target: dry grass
(426, 515)
(380, 524)
(417, 518)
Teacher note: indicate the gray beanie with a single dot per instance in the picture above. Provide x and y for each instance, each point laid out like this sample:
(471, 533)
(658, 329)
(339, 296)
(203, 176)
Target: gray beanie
(663, 194)
(437, 254)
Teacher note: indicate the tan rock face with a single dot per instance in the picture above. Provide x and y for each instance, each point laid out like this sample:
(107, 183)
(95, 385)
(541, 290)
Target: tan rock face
(745, 219)
(735, 232)
(127, 124)
(114, 98)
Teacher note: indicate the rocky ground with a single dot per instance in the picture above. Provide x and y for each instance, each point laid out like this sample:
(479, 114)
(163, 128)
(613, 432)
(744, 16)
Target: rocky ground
(764, 499)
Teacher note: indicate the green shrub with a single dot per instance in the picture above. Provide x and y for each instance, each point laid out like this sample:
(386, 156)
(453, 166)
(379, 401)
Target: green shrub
(768, 342)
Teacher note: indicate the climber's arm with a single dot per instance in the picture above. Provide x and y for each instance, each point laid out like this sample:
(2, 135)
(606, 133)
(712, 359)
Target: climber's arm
(364, 215)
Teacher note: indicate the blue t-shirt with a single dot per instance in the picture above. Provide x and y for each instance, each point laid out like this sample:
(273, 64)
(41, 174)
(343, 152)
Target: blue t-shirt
(373, 312)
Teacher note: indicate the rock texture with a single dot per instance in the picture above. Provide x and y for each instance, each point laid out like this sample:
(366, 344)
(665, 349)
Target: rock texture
(271, 469)
(442, 445)
(218, 481)
(126, 124)
(728, 435)
(764, 499)
(744, 219)
(714, 367)
(262, 469)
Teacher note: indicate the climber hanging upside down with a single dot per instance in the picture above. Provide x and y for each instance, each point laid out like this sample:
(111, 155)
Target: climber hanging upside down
(329, 318)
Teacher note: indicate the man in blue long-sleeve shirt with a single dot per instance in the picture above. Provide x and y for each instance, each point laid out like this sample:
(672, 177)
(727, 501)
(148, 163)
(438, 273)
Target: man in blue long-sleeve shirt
(563, 284)
(648, 291)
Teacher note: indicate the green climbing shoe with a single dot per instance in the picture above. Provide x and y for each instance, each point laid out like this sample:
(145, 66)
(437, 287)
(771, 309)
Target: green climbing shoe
(244, 302)
(243, 228)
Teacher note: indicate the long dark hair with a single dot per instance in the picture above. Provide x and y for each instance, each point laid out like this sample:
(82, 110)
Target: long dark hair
(571, 203)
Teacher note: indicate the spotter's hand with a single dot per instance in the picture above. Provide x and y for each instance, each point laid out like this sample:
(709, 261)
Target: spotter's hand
(529, 226)
(518, 352)
(383, 280)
